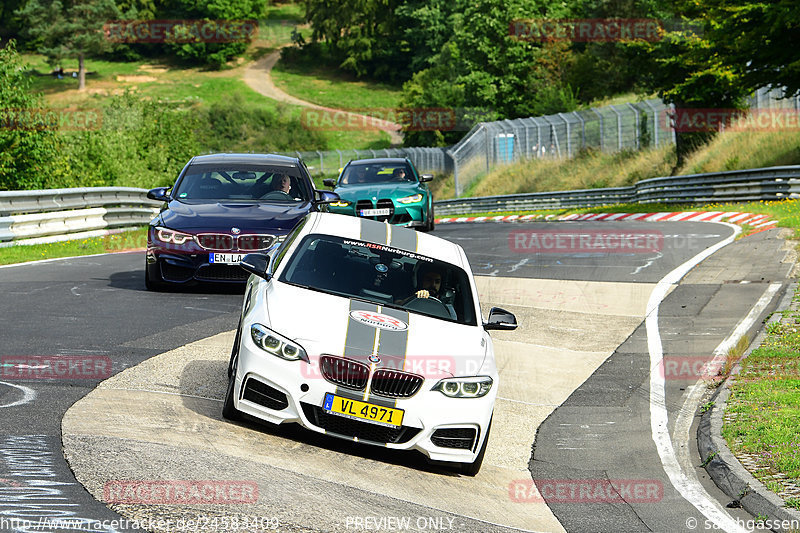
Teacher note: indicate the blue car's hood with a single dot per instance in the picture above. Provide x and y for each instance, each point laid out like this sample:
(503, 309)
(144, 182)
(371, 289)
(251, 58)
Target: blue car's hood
(222, 216)
(378, 190)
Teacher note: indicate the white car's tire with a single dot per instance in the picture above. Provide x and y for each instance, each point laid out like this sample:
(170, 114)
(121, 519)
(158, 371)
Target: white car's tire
(472, 469)
(229, 410)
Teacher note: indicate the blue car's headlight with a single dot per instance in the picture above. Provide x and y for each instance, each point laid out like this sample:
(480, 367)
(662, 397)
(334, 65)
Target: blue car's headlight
(277, 344)
(172, 237)
(340, 203)
(410, 199)
(470, 387)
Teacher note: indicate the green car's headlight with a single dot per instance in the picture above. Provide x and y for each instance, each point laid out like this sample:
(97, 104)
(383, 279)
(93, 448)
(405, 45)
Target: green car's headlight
(410, 199)
(471, 387)
(340, 203)
(276, 344)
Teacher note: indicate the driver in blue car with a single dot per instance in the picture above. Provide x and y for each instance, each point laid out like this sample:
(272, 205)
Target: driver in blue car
(281, 182)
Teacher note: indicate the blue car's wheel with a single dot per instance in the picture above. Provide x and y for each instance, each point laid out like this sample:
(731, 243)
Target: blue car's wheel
(152, 278)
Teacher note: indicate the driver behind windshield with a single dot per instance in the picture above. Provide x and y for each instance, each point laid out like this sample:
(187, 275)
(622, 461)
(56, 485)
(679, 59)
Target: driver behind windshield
(282, 183)
(430, 284)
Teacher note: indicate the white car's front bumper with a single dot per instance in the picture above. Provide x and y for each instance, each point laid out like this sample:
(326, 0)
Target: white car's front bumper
(301, 391)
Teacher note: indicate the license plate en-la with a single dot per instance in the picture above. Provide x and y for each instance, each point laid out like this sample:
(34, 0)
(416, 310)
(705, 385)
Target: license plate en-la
(225, 259)
(377, 414)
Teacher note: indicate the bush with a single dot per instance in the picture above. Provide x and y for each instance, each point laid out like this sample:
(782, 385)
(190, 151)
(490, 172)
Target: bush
(27, 150)
(140, 144)
(234, 125)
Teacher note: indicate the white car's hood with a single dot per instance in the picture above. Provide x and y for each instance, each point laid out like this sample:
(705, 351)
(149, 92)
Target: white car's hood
(327, 324)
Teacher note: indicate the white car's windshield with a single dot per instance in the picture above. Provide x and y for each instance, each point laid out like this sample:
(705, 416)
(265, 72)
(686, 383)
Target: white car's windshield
(383, 275)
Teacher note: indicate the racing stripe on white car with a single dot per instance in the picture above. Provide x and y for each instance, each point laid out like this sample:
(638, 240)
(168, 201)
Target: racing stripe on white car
(372, 231)
(405, 239)
(392, 345)
(359, 344)
(364, 342)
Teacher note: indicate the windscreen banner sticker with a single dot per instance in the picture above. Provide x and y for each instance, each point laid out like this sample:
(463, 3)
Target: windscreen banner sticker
(378, 320)
(385, 248)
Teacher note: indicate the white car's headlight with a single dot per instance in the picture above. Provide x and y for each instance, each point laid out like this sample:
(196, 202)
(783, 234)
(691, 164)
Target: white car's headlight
(277, 344)
(472, 387)
(172, 236)
(410, 199)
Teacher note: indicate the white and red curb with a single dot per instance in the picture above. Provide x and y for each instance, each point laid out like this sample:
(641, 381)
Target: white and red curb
(760, 222)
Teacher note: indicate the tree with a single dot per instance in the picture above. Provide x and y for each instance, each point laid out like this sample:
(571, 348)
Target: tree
(9, 21)
(366, 36)
(27, 146)
(757, 40)
(685, 70)
(483, 72)
(215, 54)
(71, 30)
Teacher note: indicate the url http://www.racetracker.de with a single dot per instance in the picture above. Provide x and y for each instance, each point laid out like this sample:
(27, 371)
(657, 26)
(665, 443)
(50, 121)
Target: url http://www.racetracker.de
(199, 522)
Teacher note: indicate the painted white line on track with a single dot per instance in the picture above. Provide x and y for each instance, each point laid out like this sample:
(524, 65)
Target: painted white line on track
(28, 394)
(41, 261)
(693, 492)
(683, 423)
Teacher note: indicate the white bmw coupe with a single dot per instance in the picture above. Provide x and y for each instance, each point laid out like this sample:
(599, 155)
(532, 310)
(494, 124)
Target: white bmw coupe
(371, 333)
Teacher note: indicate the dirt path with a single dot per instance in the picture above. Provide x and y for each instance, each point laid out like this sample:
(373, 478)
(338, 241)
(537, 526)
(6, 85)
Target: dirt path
(257, 77)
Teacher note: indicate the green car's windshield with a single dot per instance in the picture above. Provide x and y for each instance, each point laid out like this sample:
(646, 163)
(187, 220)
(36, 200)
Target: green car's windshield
(382, 275)
(362, 173)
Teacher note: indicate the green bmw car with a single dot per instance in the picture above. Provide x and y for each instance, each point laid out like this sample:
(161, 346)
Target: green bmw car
(385, 189)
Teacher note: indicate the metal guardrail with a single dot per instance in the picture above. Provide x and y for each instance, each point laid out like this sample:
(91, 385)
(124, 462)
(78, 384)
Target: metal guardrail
(61, 214)
(773, 183)
(28, 217)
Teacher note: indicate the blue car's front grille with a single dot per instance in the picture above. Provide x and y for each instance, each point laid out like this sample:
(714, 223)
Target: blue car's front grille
(222, 242)
(214, 272)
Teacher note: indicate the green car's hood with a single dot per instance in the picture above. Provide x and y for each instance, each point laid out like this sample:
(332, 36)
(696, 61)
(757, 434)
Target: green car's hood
(378, 190)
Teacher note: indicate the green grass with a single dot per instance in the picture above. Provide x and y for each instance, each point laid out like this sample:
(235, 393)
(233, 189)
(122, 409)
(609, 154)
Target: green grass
(129, 240)
(765, 398)
(327, 86)
(733, 150)
(188, 86)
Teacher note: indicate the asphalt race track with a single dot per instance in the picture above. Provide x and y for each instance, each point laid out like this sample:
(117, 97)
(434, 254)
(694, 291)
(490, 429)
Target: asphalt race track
(578, 370)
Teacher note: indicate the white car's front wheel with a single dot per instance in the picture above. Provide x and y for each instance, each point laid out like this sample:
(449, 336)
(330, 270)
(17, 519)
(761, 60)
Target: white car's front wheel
(472, 469)
(229, 410)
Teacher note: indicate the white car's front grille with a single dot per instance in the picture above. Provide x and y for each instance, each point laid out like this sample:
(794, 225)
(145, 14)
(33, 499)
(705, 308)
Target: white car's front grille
(395, 384)
(354, 375)
(344, 372)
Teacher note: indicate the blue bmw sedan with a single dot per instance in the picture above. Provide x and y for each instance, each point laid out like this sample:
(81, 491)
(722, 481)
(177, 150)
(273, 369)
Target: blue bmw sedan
(222, 207)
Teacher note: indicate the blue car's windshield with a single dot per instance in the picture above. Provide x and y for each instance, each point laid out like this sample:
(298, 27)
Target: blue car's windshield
(361, 173)
(204, 183)
(383, 275)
